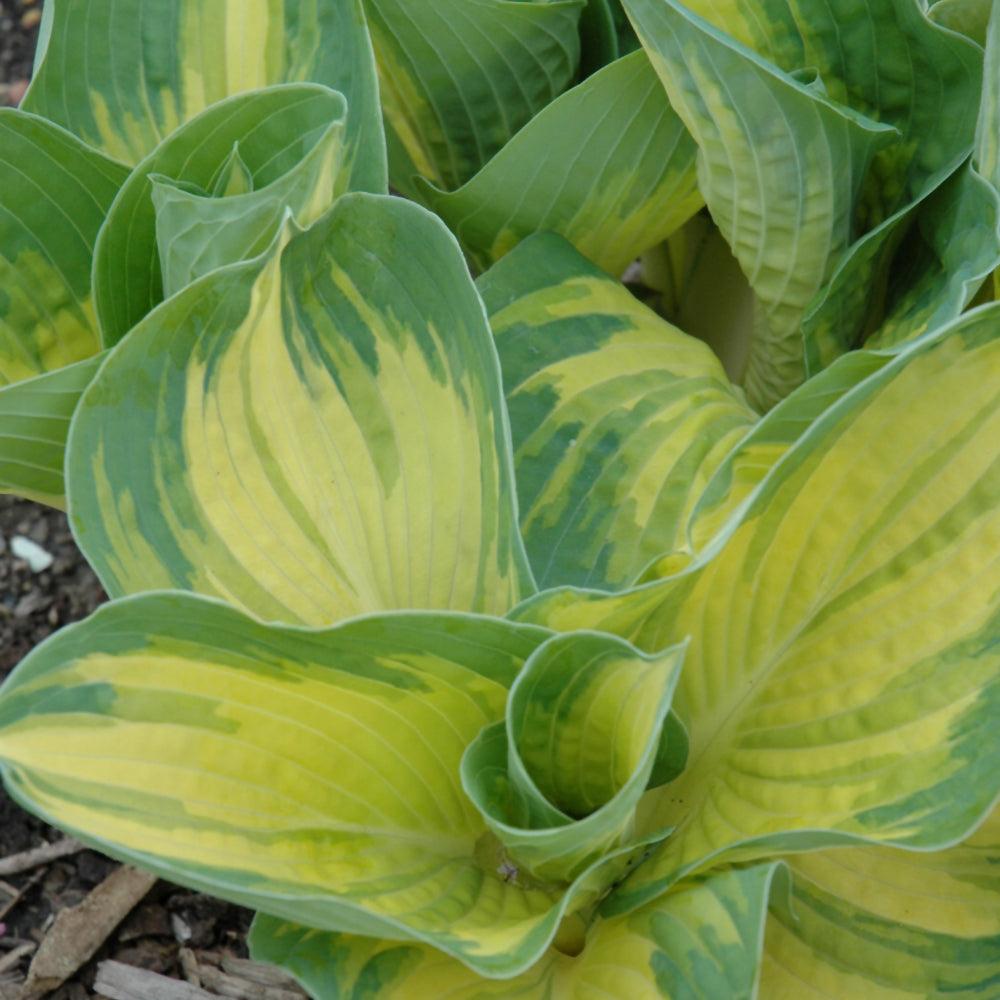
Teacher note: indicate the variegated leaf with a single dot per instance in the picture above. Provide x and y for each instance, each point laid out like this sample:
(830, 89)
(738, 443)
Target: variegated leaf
(890, 925)
(843, 676)
(944, 262)
(457, 78)
(748, 463)
(608, 165)
(310, 436)
(34, 424)
(559, 780)
(781, 166)
(54, 197)
(171, 59)
(618, 418)
(196, 232)
(701, 942)
(289, 143)
(312, 774)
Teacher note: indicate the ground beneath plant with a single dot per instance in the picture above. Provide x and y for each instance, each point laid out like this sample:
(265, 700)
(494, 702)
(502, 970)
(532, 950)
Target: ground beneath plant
(73, 923)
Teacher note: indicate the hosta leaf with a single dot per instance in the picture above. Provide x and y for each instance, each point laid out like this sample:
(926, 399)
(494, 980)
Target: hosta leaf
(935, 114)
(842, 680)
(885, 59)
(608, 165)
(34, 423)
(694, 281)
(746, 465)
(598, 36)
(53, 200)
(884, 923)
(618, 418)
(969, 17)
(941, 266)
(458, 78)
(311, 774)
(196, 233)
(311, 436)
(899, 283)
(558, 782)
(781, 167)
(280, 134)
(701, 942)
(986, 154)
(124, 75)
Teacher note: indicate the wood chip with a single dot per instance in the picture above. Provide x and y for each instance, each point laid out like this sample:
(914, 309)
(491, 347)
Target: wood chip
(13, 958)
(18, 894)
(258, 972)
(39, 856)
(123, 982)
(77, 933)
(239, 988)
(189, 966)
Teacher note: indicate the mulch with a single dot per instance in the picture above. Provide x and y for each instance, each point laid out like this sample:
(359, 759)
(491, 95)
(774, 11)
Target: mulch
(73, 923)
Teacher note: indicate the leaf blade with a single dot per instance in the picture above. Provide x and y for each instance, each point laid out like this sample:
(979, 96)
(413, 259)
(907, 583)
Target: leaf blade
(367, 323)
(701, 942)
(618, 418)
(929, 929)
(174, 60)
(50, 215)
(608, 165)
(855, 677)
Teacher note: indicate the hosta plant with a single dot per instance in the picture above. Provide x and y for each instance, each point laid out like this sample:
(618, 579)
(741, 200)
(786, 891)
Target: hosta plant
(488, 633)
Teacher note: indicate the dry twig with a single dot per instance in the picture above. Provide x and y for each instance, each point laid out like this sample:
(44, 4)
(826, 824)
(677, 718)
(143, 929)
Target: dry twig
(27, 860)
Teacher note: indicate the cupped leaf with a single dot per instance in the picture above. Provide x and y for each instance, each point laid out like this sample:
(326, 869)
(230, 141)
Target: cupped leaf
(196, 233)
(608, 165)
(53, 200)
(124, 75)
(877, 922)
(313, 774)
(618, 418)
(311, 435)
(289, 142)
(558, 782)
(582, 718)
(781, 166)
(701, 942)
(34, 424)
(457, 78)
(843, 676)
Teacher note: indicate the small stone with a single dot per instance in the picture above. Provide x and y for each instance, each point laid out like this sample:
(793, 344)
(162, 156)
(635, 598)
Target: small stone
(31, 18)
(28, 605)
(31, 552)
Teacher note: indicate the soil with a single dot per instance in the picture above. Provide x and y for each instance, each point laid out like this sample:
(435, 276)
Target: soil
(19, 20)
(171, 929)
